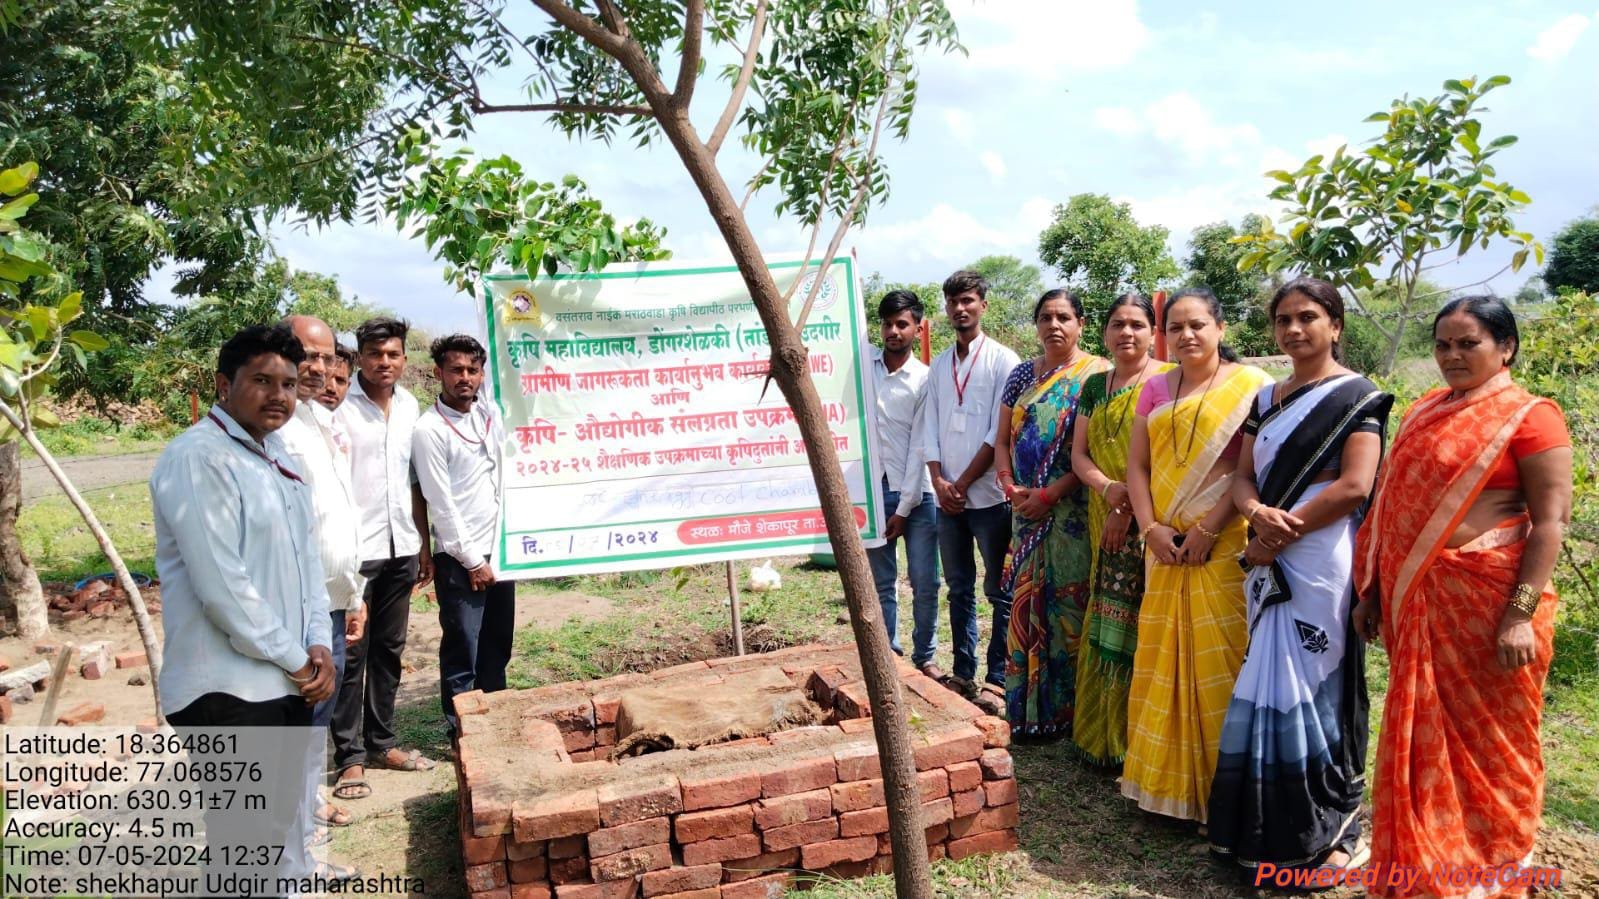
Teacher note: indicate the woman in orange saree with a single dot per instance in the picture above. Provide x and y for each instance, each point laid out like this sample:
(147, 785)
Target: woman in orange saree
(1453, 571)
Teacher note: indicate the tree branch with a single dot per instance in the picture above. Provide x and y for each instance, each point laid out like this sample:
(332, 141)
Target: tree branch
(614, 19)
(582, 26)
(693, 36)
(735, 102)
(481, 107)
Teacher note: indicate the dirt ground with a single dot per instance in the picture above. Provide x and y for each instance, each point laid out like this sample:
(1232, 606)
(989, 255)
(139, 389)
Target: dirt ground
(87, 473)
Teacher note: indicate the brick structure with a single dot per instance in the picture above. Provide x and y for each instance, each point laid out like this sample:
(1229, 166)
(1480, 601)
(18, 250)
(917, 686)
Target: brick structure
(546, 811)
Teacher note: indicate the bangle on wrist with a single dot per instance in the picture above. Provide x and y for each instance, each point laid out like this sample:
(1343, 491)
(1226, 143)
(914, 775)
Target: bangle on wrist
(1207, 532)
(1525, 599)
(1105, 494)
(1249, 513)
(1144, 534)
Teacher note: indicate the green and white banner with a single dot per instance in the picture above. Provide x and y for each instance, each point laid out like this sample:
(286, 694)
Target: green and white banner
(636, 432)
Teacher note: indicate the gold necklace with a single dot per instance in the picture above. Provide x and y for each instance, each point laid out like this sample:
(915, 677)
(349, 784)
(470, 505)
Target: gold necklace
(1182, 462)
(1110, 391)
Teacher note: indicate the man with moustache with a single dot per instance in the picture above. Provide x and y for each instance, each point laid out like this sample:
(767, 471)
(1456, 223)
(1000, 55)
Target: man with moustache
(901, 382)
(958, 433)
(456, 451)
(245, 604)
(379, 416)
(338, 383)
(312, 440)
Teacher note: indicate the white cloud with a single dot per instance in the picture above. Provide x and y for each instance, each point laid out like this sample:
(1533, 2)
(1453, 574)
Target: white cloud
(1185, 125)
(949, 236)
(1046, 37)
(994, 163)
(960, 125)
(1556, 41)
(1118, 120)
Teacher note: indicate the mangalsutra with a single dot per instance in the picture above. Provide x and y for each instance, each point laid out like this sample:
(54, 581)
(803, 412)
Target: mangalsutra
(1182, 461)
(1110, 391)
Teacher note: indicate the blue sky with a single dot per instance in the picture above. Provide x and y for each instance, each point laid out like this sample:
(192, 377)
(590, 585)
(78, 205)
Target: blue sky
(1174, 108)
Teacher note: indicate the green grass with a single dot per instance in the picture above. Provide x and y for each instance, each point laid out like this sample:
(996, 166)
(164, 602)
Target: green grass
(980, 875)
(91, 436)
(61, 546)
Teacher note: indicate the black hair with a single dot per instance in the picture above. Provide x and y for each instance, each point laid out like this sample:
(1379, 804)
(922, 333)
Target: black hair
(377, 330)
(258, 340)
(1320, 292)
(1201, 292)
(1492, 313)
(965, 280)
(1059, 293)
(458, 343)
(1136, 300)
(896, 301)
(346, 354)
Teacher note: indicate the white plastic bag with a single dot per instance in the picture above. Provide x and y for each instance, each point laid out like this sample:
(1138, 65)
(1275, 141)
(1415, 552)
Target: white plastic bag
(764, 577)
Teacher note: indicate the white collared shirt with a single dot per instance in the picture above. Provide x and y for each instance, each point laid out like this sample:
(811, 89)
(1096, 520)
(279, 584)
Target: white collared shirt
(242, 591)
(380, 466)
(457, 459)
(900, 397)
(956, 424)
(311, 441)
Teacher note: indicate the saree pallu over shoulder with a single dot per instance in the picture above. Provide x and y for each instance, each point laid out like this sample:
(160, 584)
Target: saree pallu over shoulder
(1191, 630)
(1459, 774)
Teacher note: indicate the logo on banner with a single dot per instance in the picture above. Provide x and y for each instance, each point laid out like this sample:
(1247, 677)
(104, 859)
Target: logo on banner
(522, 306)
(825, 298)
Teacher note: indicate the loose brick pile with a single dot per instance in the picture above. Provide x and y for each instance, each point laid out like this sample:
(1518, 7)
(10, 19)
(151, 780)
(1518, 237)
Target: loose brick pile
(546, 813)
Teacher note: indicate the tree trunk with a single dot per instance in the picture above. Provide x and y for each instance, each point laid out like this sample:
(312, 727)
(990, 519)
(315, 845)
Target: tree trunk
(141, 616)
(23, 594)
(791, 370)
(1394, 340)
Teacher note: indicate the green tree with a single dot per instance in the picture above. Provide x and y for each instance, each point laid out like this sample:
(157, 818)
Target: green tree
(1574, 258)
(1425, 187)
(815, 88)
(1099, 248)
(1013, 288)
(1213, 256)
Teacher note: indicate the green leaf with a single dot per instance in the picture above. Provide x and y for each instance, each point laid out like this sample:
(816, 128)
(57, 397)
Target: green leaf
(14, 180)
(88, 341)
(15, 208)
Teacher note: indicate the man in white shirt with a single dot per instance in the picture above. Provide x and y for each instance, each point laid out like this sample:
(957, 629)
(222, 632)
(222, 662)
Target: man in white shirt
(456, 451)
(959, 426)
(322, 458)
(379, 416)
(901, 382)
(244, 601)
(339, 375)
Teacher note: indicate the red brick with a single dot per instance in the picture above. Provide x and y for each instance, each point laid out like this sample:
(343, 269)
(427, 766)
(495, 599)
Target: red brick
(938, 833)
(823, 682)
(784, 811)
(816, 856)
(714, 824)
(550, 817)
(95, 668)
(996, 731)
(993, 841)
(997, 765)
(588, 755)
(567, 847)
(81, 714)
(540, 734)
(1000, 792)
(491, 811)
(482, 850)
(1005, 817)
(964, 776)
(721, 791)
(852, 701)
(636, 800)
(799, 777)
(685, 668)
(857, 795)
(727, 849)
(939, 811)
(800, 834)
(707, 893)
(946, 747)
(856, 725)
(937, 851)
(518, 851)
(765, 863)
(744, 743)
(857, 761)
(968, 803)
(608, 840)
(540, 890)
(528, 870)
(605, 706)
(806, 734)
(501, 893)
(865, 821)
(632, 863)
(933, 784)
(681, 880)
(569, 870)
(576, 741)
(132, 660)
(604, 736)
(485, 877)
(610, 889)
(769, 887)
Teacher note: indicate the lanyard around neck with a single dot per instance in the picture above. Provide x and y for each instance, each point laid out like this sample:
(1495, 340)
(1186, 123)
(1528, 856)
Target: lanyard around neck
(255, 450)
(955, 369)
(451, 425)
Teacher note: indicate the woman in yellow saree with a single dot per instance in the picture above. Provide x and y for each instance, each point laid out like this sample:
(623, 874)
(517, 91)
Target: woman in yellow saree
(1116, 582)
(1191, 628)
(1453, 571)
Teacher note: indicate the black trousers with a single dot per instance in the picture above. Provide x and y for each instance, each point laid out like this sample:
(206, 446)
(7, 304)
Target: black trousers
(280, 745)
(477, 625)
(363, 719)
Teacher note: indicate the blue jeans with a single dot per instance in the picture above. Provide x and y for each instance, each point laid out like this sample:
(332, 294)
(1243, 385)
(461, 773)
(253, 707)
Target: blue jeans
(990, 529)
(921, 557)
(322, 714)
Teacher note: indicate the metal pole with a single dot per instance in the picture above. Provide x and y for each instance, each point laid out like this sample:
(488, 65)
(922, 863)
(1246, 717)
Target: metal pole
(1160, 325)
(738, 618)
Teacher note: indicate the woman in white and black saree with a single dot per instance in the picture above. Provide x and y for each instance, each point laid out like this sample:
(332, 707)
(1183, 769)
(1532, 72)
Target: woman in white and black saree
(1291, 766)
